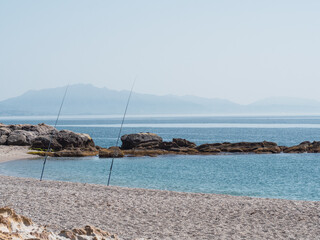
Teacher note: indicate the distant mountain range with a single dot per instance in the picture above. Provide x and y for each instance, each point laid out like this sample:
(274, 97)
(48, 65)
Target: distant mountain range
(85, 99)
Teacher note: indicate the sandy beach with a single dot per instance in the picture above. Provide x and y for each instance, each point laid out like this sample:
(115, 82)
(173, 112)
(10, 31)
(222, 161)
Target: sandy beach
(154, 214)
(10, 153)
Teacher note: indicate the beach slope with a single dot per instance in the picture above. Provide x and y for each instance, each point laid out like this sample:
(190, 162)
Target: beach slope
(154, 214)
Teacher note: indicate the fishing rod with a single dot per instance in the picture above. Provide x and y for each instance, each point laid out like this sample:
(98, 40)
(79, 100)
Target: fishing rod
(124, 116)
(52, 135)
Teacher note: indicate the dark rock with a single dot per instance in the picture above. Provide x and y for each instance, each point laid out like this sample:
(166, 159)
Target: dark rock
(314, 147)
(183, 143)
(69, 139)
(43, 143)
(235, 150)
(245, 147)
(301, 148)
(168, 145)
(140, 140)
(267, 150)
(209, 148)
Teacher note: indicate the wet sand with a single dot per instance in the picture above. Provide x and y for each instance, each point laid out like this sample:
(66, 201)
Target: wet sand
(155, 214)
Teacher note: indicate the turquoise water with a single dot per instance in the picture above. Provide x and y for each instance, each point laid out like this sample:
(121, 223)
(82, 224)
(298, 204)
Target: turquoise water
(289, 176)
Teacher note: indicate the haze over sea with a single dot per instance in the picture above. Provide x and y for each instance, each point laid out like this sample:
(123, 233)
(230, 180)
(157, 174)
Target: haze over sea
(289, 176)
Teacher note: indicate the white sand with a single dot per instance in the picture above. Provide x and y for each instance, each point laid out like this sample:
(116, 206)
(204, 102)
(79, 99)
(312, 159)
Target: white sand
(9, 153)
(154, 214)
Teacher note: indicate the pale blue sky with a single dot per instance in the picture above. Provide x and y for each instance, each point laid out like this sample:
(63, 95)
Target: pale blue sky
(238, 50)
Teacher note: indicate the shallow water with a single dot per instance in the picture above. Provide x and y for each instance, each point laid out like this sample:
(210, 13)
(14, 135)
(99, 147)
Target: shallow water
(290, 176)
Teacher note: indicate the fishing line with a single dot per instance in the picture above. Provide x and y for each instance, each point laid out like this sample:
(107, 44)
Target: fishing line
(124, 116)
(52, 135)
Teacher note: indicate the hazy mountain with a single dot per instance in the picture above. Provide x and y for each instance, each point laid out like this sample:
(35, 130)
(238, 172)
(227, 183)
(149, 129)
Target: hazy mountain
(286, 101)
(85, 99)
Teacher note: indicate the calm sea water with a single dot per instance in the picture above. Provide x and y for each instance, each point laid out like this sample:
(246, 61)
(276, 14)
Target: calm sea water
(290, 176)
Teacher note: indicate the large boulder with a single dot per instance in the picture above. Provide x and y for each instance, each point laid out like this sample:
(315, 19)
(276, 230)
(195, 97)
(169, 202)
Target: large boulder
(43, 143)
(69, 139)
(21, 138)
(140, 140)
(16, 139)
(5, 131)
(3, 139)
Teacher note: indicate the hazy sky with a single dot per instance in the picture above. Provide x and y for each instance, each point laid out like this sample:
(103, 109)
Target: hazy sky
(238, 50)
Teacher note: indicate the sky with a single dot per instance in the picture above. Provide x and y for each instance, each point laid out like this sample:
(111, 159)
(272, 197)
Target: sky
(242, 51)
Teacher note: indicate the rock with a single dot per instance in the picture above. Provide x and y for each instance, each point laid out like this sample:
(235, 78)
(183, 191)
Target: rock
(140, 140)
(265, 150)
(17, 227)
(17, 139)
(168, 145)
(314, 147)
(3, 139)
(38, 136)
(43, 143)
(144, 152)
(5, 131)
(184, 143)
(301, 148)
(235, 150)
(88, 232)
(21, 138)
(75, 153)
(209, 148)
(69, 139)
(112, 152)
(240, 147)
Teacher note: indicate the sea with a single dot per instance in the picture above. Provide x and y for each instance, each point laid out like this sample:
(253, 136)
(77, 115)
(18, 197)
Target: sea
(283, 176)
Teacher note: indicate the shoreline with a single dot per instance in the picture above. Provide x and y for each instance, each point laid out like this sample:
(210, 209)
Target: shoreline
(12, 153)
(159, 214)
(135, 213)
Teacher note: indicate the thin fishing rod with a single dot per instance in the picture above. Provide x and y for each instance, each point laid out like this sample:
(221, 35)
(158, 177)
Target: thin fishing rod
(124, 116)
(52, 135)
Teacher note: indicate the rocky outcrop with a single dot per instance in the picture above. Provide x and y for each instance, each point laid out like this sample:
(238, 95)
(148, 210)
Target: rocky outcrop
(241, 147)
(112, 152)
(17, 227)
(140, 140)
(64, 143)
(148, 144)
(304, 147)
